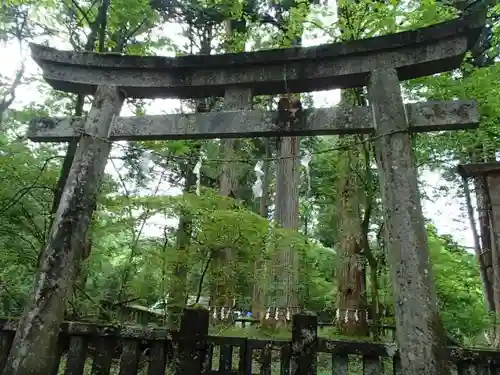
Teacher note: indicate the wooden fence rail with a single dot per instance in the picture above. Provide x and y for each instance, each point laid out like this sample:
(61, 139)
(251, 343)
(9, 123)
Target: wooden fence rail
(135, 350)
(136, 314)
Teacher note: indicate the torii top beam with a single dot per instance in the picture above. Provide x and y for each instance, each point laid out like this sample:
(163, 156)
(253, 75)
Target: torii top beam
(415, 53)
(478, 169)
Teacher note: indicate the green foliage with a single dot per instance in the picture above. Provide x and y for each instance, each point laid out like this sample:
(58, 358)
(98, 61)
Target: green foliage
(25, 199)
(461, 301)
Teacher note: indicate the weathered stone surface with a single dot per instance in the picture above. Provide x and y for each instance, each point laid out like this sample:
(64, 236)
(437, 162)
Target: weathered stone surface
(36, 337)
(442, 115)
(493, 186)
(452, 115)
(418, 327)
(479, 169)
(414, 54)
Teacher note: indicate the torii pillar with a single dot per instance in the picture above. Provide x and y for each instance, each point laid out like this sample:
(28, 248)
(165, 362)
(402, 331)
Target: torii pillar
(489, 259)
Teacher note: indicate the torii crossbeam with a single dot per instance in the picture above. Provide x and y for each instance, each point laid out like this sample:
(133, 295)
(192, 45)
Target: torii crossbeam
(422, 117)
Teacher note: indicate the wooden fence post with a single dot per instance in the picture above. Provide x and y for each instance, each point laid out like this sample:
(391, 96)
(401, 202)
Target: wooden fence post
(418, 326)
(192, 342)
(5, 343)
(304, 344)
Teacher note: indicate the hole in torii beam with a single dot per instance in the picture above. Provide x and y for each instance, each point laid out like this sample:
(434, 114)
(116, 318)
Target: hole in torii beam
(404, 56)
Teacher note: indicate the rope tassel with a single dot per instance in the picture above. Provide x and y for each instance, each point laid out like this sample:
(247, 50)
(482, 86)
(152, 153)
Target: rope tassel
(257, 186)
(197, 172)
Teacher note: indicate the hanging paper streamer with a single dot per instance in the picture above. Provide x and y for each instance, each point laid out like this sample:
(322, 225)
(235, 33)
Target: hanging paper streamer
(277, 314)
(257, 186)
(268, 313)
(215, 313)
(357, 314)
(305, 163)
(488, 337)
(288, 317)
(145, 162)
(197, 172)
(222, 315)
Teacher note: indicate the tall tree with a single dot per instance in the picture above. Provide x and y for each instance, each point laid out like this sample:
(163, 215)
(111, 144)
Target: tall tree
(284, 268)
(223, 266)
(351, 275)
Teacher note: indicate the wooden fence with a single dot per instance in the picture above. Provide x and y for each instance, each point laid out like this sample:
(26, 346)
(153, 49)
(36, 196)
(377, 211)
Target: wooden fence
(136, 350)
(137, 314)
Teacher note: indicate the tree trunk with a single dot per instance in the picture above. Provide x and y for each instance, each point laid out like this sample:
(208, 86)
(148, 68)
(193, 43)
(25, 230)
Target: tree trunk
(177, 294)
(223, 268)
(223, 288)
(36, 338)
(351, 274)
(284, 273)
(10, 95)
(258, 298)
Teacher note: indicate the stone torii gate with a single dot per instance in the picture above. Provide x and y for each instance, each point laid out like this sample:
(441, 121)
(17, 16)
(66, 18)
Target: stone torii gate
(379, 63)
